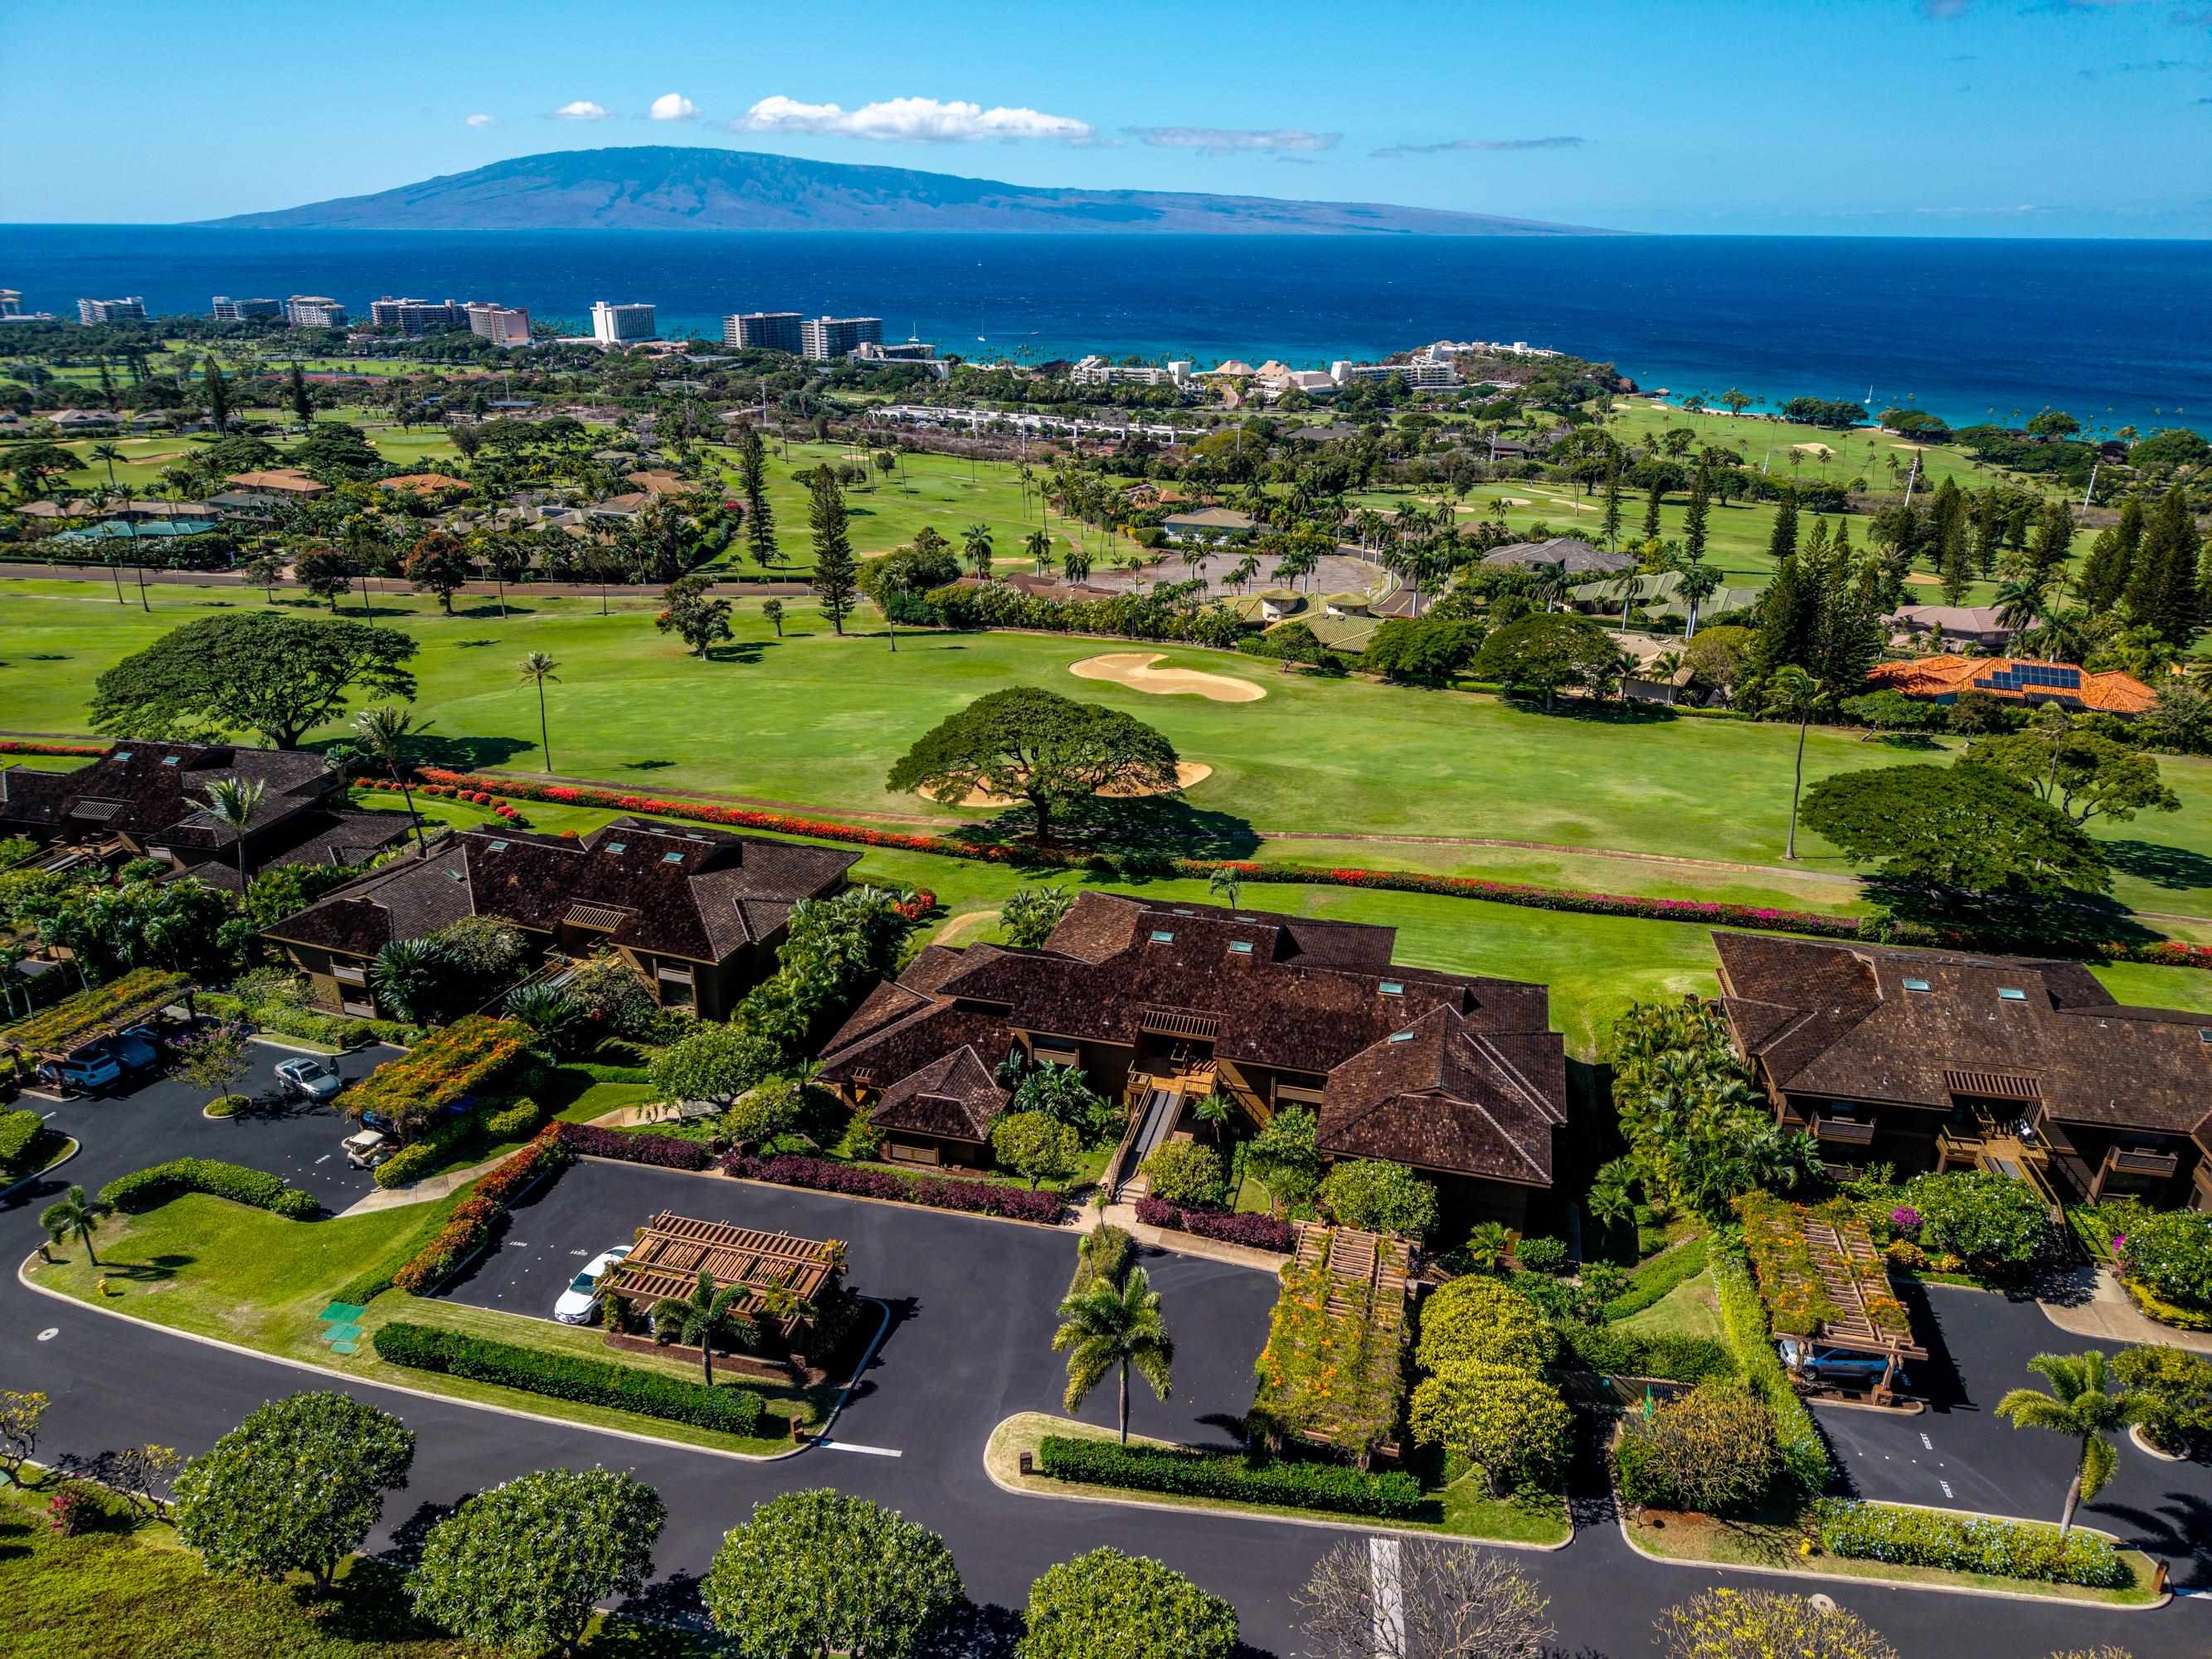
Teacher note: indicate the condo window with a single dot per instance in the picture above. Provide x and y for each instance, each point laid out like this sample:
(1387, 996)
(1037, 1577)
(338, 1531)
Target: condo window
(1161, 936)
(2007, 994)
(1915, 985)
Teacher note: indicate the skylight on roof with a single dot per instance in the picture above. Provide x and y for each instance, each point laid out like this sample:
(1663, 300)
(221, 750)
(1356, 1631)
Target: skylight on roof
(1391, 988)
(120, 755)
(1402, 1036)
(498, 847)
(2008, 993)
(1915, 985)
(672, 858)
(1185, 910)
(173, 760)
(1161, 936)
(1241, 947)
(616, 846)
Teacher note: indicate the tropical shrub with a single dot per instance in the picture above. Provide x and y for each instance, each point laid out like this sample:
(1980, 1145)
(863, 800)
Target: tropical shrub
(569, 1376)
(1990, 1220)
(2004, 1549)
(2170, 1253)
(1655, 1278)
(1035, 1146)
(19, 1132)
(516, 1122)
(2175, 1389)
(969, 1197)
(820, 1572)
(1388, 1496)
(1260, 1232)
(1711, 1450)
(1476, 1318)
(475, 1219)
(1183, 1172)
(1611, 1351)
(1727, 1623)
(1129, 1606)
(1803, 1455)
(145, 1188)
(1509, 1422)
(1542, 1254)
(662, 1152)
(1380, 1197)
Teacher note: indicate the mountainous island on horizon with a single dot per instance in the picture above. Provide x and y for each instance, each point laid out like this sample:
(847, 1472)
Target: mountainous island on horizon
(661, 187)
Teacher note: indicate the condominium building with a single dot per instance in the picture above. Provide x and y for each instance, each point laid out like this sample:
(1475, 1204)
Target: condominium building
(416, 316)
(764, 330)
(314, 311)
(131, 308)
(1097, 371)
(1417, 375)
(227, 310)
(823, 339)
(620, 325)
(501, 325)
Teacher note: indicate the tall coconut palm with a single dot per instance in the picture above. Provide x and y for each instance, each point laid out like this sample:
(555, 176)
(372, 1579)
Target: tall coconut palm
(976, 541)
(232, 802)
(2020, 601)
(107, 454)
(707, 1316)
(537, 668)
(2079, 1404)
(1038, 545)
(383, 731)
(76, 1214)
(1224, 883)
(1109, 1328)
(1795, 694)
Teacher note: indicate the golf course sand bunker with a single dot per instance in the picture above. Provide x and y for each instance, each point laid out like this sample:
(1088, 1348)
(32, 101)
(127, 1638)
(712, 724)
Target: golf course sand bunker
(1134, 669)
(1186, 774)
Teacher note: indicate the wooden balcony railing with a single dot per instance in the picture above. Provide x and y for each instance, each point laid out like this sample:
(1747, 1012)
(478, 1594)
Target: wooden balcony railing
(1844, 1131)
(2139, 1161)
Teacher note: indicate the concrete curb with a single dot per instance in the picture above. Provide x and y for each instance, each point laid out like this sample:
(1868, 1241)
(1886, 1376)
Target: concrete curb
(23, 1278)
(1374, 1528)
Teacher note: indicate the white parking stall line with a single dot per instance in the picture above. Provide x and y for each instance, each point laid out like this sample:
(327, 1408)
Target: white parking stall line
(1926, 1442)
(1946, 1485)
(325, 1158)
(853, 1446)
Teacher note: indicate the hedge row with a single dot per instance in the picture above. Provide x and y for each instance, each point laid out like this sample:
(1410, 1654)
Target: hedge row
(18, 746)
(1260, 1232)
(1390, 1495)
(968, 1197)
(1656, 1277)
(145, 1188)
(662, 1152)
(1743, 1325)
(19, 1132)
(340, 1031)
(1703, 913)
(1611, 1351)
(569, 1376)
(473, 1221)
(2005, 1549)
(488, 1124)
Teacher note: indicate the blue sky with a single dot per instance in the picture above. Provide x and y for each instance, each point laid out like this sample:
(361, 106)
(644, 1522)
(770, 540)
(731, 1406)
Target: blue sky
(2067, 117)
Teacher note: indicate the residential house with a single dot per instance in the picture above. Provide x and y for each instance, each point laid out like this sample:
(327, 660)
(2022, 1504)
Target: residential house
(1161, 1005)
(287, 481)
(1210, 523)
(1928, 1060)
(424, 483)
(1577, 558)
(1978, 625)
(1941, 679)
(148, 799)
(700, 912)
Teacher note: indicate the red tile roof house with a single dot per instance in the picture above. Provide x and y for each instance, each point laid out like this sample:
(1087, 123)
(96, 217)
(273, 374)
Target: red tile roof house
(1928, 1059)
(1461, 1079)
(1941, 679)
(700, 912)
(149, 799)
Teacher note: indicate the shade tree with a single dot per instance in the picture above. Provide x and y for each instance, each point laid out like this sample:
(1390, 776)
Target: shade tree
(818, 1572)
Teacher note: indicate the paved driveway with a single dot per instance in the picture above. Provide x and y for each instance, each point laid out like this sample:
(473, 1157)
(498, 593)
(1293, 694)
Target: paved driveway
(972, 1302)
(160, 1120)
(1959, 1454)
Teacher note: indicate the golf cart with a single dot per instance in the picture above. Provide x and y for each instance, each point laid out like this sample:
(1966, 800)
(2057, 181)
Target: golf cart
(367, 1149)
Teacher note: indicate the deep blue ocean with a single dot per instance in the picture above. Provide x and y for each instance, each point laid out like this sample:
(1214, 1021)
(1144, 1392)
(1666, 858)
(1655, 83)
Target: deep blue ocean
(2116, 332)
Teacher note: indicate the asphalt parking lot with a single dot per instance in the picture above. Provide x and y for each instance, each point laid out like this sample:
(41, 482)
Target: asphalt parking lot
(1959, 1454)
(971, 1301)
(160, 1120)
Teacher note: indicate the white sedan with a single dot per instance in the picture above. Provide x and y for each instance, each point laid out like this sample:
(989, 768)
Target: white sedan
(580, 1303)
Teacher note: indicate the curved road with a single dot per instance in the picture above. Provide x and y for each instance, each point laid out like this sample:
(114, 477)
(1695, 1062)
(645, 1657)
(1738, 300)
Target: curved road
(972, 1303)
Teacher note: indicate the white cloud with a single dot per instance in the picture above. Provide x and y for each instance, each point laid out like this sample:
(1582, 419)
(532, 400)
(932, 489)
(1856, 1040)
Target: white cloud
(1228, 141)
(583, 110)
(911, 121)
(674, 106)
(477, 121)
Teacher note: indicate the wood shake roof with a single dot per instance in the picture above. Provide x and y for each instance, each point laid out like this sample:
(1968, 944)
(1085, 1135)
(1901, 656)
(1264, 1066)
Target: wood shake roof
(1863, 1022)
(155, 792)
(698, 895)
(1476, 1088)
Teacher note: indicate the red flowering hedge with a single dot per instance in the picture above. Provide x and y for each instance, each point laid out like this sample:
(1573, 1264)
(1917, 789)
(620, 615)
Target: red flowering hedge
(478, 1216)
(1261, 1232)
(662, 1152)
(1702, 911)
(969, 1197)
(22, 746)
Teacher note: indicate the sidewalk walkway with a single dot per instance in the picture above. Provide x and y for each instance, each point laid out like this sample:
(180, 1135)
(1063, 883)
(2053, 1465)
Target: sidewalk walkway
(2091, 1302)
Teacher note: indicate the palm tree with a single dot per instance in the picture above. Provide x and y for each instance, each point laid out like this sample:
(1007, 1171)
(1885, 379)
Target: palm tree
(77, 1214)
(706, 1316)
(1795, 694)
(108, 454)
(1038, 545)
(537, 668)
(1224, 883)
(2079, 1405)
(2020, 601)
(1213, 1110)
(232, 802)
(407, 976)
(976, 540)
(383, 731)
(1108, 1329)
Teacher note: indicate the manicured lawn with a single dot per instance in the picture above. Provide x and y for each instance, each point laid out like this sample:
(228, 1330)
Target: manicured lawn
(143, 1592)
(1465, 1511)
(816, 720)
(1688, 1309)
(1774, 1543)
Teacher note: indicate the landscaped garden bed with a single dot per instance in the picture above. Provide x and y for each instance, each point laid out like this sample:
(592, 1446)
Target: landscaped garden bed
(1333, 1371)
(1388, 1495)
(967, 1197)
(1258, 1232)
(458, 1061)
(74, 1021)
(475, 1220)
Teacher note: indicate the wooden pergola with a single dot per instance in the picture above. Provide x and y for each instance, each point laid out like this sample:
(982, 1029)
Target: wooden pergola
(1850, 1268)
(78, 1021)
(775, 1270)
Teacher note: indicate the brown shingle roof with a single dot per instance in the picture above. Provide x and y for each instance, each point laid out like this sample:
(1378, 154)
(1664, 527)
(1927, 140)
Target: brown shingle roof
(954, 1095)
(1443, 1095)
(1841, 1021)
(156, 792)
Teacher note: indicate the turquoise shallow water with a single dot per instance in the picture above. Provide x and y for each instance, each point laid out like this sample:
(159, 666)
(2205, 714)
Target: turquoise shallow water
(2116, 332)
